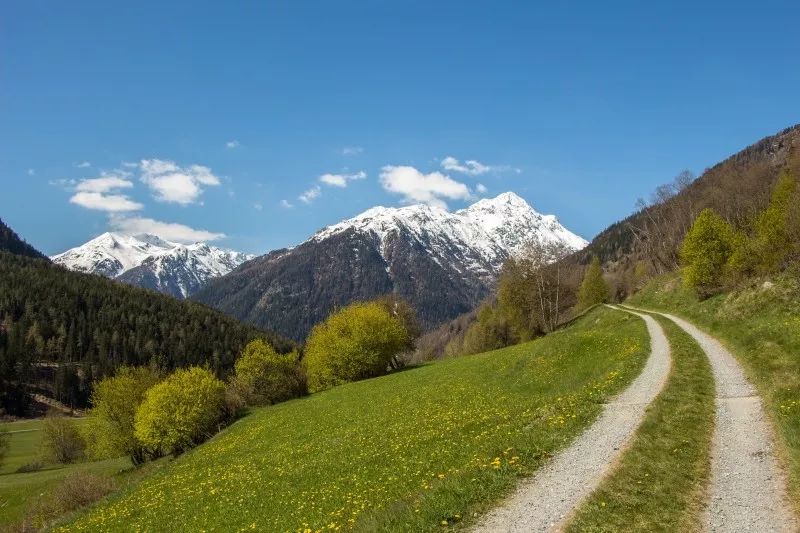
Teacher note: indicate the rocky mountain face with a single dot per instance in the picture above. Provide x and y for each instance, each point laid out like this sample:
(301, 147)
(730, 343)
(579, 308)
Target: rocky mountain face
(151, 262)
(443, 263)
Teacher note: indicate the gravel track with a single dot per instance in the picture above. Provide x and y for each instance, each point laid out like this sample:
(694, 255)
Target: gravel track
(748, 489)
(544, 501)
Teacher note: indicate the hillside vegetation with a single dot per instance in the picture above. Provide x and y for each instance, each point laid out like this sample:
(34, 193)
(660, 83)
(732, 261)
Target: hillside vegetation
(738, 188)
(61, 330)
(19, 490)
(760, 324)
(418, 449)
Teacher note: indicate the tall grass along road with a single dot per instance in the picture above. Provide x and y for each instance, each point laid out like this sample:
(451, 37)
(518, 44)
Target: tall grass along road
(546, 500)
(748, 490)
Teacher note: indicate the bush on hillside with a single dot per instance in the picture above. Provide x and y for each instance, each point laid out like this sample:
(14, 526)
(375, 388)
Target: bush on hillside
(263, 376)
(705, 252)
(109, 431)
(490, 331)
(356, 342)
(773, 236)
(5, 438)
(61, 440)
(180, 412)
(78, 490)
(594, 289)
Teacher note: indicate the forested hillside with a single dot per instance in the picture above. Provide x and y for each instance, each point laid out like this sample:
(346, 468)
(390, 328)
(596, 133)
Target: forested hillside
(59, 330)
(11, 242)
(737, 188)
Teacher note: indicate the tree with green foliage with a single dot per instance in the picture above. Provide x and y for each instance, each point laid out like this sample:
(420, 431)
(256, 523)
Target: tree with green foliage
(180, 412)
(61, 440)
(5, 443)
(772, 242)
(263, 376)
(490, 331)
(706, 249)
(594, 289)
(109, 431)
(356, 342)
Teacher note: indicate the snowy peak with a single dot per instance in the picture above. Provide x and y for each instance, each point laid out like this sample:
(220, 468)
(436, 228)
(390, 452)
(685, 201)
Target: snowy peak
(486, 233)
(169, 267)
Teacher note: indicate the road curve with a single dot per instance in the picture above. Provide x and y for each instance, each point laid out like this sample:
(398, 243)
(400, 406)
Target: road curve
(747, 490)
(544, 501)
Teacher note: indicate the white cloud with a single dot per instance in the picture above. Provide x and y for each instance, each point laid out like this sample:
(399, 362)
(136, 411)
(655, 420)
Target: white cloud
(166, 230)
(83, 164)
(351, 150)
(130, 164)
(286, 204)
(175, 184)
(340, 180)
(310, 195)
(31, 172)
(102, 193)
(472, 167)
(422, 188)
(106, 183)
(258, 207)
(105, 202)
(230, 145)
(481, 188)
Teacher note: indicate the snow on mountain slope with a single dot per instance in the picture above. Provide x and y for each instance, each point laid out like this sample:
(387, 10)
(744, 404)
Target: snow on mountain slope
(149, 261)
(484, 234)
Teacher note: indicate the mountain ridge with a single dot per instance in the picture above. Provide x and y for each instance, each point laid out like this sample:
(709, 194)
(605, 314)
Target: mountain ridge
(151, 262)
(444, 263)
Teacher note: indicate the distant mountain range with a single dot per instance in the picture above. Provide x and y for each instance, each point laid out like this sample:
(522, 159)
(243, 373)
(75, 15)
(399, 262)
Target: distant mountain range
(443, 263)
(151, 262)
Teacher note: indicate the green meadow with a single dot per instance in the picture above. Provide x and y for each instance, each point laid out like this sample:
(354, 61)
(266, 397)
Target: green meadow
(426, 448)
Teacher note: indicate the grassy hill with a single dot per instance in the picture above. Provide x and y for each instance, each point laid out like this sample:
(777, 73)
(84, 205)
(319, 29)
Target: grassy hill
(760, 325)
(415, 450)
(19, 489)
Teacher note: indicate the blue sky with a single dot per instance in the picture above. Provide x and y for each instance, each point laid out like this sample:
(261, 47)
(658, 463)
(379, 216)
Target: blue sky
(215, 116)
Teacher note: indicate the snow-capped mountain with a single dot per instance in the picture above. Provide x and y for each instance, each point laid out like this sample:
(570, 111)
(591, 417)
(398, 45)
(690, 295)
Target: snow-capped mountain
(443, 263)
(149, 261)
(483, 235)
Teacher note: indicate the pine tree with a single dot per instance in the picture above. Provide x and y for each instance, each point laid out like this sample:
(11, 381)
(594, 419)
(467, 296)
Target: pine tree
(594, 289)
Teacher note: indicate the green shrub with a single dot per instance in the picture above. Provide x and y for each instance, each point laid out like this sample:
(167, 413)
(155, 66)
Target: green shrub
(109, 430)
(354, 343)
(61, 440)
(772, 242)
(264, 376)
(594, 289)
(490, 331)
(5, 438)
(78, 489)
(706, 249)
(180, 411)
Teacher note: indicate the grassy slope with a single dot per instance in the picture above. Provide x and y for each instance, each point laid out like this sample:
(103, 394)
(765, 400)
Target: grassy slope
(417, 450)
(659, 483)
(18, 490)
(761, 327)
